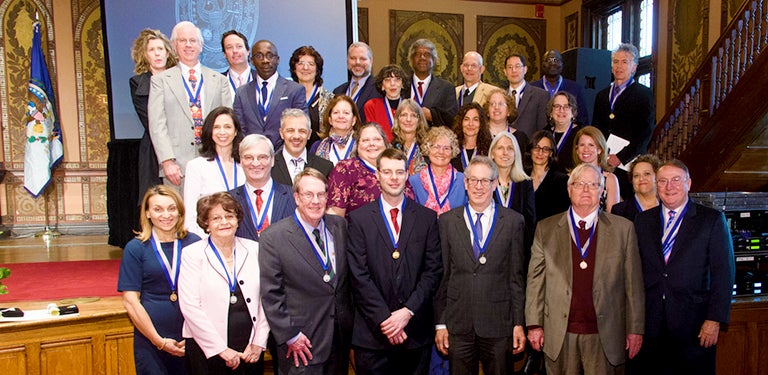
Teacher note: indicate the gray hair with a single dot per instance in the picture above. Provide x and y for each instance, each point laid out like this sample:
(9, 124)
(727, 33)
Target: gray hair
(628, 48)
(175, 33)
(585, 167)
(426, 43)
(517, 174)
(294, 113)
(361, 45)
(476, 55)
(251, 140)
(482, 160)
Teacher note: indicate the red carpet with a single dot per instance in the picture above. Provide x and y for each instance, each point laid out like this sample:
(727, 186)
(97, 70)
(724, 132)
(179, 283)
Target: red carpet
(59, 280)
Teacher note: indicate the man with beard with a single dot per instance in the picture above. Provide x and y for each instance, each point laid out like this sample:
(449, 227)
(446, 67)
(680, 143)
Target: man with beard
(360, 87)
(294, 130)
(552, 81)
(259, 104)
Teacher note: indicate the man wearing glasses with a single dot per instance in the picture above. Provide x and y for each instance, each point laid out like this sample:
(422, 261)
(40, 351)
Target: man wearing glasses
(473, 89)
(395, 268)
(585, 302)
(480, 304)
(259, 103)
(688, 269)
(531, 101)
(553, 81)
(435, 95)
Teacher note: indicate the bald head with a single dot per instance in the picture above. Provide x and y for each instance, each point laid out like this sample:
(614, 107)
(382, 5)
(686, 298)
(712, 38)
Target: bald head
(472, 68)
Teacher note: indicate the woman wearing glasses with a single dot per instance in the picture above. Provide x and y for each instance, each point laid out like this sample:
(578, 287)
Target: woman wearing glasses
(307, 69)
(439, 186)
(643, 173)
(393, 84)
(590, 147)
(550, 186)
(409, 133)
(562, 110)
(502, 112)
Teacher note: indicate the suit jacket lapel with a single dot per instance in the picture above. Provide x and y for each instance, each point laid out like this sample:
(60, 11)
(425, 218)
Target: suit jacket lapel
(278, 202)
(339, 249)
(242, 196)
(685, 231)
(525, 99)
(406, 226)
(178, 89)
(277, 93)
(563, 241)
(464, 235)
(280, 170)
(606, 243)
(382, 225)
(252, 102)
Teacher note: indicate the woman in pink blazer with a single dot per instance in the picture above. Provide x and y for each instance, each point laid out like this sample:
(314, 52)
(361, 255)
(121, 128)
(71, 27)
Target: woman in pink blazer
(225, 326)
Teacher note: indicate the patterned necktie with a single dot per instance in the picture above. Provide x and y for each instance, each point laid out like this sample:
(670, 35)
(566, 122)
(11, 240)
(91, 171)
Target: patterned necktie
(466, 93)
(263, 104)
(668, 249)
(393, 215)
(355, 86)
(421, 90)
(259, 204)
(478, 229)
(296, 163)
(321, 245)
(196, 108)
(514, 95)
(582, 225)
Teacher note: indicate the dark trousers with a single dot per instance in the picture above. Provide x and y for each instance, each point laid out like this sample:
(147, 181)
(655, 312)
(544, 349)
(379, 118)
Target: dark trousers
(467, 352)
(667, 355)
(197, 364)
(394, 361)
(336, 364)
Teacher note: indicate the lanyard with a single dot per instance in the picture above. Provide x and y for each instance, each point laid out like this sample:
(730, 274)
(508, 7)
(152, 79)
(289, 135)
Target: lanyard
(359, 90)
(561, 142)
(440, 202)
(389, 227)
(584, 249)
(553, 90)
(366, 165)
(196, 96)
(168, 268)
(464, 158)
(419, 99)
(258, 222)
(224, 174)
(669, 236)
(506, 202)
(476, 236)
(231, 281)
(312, 97)
(390, 112)
(319, 253)
(232, 83)
(346, 154)
(618, 90)
(411, 154)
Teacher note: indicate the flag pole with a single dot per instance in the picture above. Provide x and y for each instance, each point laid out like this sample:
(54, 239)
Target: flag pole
(47, 233)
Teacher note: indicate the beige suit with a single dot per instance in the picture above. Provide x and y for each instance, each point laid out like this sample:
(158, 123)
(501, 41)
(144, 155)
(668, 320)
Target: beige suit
(170, 121)
(618, 290)
(482, 92)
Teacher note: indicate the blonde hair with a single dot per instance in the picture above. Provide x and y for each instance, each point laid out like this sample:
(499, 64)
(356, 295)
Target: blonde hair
(146, 224)
(516, 173)
(139, 50)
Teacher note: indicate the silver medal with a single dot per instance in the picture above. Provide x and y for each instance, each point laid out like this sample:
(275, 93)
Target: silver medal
(583, 265)
(233, 299)
(482, 259)
(327, 278)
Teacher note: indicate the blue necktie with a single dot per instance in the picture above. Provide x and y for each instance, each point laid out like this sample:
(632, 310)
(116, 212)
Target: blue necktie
(263, 106)
(478, 229)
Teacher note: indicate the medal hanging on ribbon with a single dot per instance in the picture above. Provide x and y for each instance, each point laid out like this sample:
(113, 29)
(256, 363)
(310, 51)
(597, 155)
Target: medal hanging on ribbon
(390, 231)
(476, 236)
(258, 221)
(231, 281)
(322, 255)
(440, 201)
(583, 249)
(170, 269)
(350, 145)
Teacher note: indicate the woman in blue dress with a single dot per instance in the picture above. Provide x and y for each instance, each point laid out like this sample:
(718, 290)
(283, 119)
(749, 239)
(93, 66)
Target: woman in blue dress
(148, 275)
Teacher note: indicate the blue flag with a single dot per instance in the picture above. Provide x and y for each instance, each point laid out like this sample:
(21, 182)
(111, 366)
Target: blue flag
(43, 140)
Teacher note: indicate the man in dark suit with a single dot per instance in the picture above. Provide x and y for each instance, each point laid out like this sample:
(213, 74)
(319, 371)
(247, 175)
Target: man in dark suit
(361, 87)
(395, 267)
(179, 100)
(236, 50)
(436, 96)
(625, 109)
(294, 130)
(688, 269)
(263, 200)
(552, 81)
(480, 304)
(585, 302)
(258, 104)
(531, 101)
(304, 283)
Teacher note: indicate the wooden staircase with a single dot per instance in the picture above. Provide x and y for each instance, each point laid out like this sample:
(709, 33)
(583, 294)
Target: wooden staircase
(718, 124)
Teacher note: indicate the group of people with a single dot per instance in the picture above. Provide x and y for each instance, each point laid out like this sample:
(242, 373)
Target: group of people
(425, 226)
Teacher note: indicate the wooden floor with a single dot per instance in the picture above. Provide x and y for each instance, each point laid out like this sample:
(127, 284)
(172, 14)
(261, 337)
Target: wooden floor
(63, 248)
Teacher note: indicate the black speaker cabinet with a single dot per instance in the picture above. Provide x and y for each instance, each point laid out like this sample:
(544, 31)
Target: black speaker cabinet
(590, 68)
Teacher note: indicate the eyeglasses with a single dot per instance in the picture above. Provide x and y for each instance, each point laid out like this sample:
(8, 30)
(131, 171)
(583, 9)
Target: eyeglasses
(262, 158)
(185, 41)
(552, 60)
(517, 66)
(422, 55)
(497, 104)
(544, 149)
(306, 64)
(269, 56)
(222, 219)
(482, 182)
(440, 148)
(673, 182)
(582, 184)
(388, 172)
(393, 79)
(408, 115)
(561, 107)
(310, 196)
(470, 66)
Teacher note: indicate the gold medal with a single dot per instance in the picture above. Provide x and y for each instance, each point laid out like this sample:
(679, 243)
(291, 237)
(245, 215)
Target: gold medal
(174, 297)
(482, 259)
(327, 278)
(611, 116)
(583, 265)
(396, 255)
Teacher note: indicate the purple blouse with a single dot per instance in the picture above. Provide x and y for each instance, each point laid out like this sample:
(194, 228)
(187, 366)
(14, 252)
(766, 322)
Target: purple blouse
(352, 185)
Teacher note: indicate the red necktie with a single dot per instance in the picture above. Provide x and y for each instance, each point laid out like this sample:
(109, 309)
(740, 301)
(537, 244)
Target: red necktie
(421, 90)
(393, 215)
(196, 108)
(259, 204)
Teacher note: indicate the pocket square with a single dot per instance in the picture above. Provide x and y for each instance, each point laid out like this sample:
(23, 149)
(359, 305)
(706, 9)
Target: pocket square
(284, 98)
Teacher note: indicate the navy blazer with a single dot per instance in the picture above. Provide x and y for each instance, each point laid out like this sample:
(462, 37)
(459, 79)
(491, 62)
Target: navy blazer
(286, 94)
(573, 88)
(283, 205)
(634, 118)
(367, 92)
(280, 170)
(381, 284)
(696, 284)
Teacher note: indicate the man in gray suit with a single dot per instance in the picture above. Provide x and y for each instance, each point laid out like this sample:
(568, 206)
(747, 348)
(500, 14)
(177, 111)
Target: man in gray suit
(304, 284)
(294, 130)
(259, 104)
(435, 95)
(179, 100)
(479, 305)
(585, 302)
(531, 101)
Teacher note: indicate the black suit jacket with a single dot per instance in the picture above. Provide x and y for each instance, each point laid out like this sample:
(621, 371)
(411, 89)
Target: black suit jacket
(283, 205)
(440, 98)
(552, 195)
(293, 293)
(634, 118)
(280, 170)
(483, 299)
(524, 202)
(627, 209)
(696, 284)
(381, 284)
(368, 92)
(148, 164)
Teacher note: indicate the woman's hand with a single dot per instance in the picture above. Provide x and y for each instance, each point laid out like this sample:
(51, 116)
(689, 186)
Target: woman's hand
(231, 358)
(173, 347)
(252, 353)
